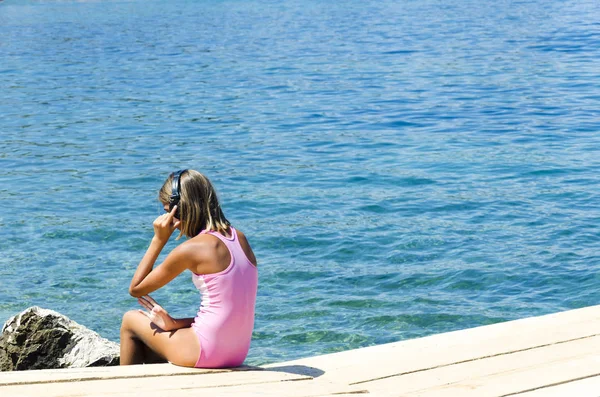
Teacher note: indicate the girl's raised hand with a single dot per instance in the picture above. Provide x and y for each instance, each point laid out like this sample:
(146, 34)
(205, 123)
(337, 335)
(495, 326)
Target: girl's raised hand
(165, 225)
(156, 313)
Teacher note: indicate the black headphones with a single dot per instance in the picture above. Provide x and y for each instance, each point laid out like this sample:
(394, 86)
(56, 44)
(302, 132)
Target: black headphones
(175, 193)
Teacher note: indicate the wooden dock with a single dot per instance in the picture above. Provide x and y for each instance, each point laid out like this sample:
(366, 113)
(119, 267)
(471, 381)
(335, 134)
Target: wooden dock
(556, 355)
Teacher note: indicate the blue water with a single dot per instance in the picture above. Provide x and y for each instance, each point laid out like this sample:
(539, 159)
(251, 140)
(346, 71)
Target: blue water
(401, 168)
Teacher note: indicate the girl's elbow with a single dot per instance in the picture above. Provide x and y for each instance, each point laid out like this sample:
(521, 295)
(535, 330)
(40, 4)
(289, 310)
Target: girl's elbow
(135, 292)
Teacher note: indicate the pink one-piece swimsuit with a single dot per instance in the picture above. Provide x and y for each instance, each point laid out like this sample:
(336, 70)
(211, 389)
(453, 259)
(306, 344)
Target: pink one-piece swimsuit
(225, 320)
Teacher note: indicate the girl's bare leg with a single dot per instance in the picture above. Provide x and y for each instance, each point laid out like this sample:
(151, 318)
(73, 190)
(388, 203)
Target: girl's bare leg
(138, 334)
(151, 357)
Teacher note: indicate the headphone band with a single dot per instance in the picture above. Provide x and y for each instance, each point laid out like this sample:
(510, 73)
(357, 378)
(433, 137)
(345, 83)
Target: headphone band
(175, 188)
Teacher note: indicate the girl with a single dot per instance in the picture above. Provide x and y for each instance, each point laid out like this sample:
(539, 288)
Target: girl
(223, 270)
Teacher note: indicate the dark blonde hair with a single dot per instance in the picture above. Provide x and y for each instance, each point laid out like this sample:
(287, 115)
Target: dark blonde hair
(199, 206)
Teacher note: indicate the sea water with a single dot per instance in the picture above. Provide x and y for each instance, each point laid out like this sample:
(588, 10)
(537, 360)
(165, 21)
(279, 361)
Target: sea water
(401, 168)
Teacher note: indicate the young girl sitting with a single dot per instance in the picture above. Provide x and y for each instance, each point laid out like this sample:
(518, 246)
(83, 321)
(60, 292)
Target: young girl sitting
(223, 270)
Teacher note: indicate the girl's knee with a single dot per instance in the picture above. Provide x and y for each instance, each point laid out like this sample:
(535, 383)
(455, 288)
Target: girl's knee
(129, 318)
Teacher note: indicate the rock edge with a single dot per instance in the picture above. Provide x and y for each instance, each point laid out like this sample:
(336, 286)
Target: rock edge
(40, 338)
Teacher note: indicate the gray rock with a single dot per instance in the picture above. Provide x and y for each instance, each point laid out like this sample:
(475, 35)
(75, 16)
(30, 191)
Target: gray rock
(40, 338)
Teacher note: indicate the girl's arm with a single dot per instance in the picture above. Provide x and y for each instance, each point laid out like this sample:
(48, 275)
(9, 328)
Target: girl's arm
(145, 266)
(183, 322)
(146, 279)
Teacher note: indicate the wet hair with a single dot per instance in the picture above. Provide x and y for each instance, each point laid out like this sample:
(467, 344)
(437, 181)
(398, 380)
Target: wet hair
(199, 206)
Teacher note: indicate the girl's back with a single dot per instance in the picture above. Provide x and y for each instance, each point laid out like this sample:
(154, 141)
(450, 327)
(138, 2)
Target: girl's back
(225, 320)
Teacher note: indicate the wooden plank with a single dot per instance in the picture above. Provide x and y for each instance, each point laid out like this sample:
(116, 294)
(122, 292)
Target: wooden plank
(357, 392)
(363, 365)
(535, 355)
(165, 385)
(520, 380)
(303, 388)
(588, 387)
(472, 371)
(76, 374)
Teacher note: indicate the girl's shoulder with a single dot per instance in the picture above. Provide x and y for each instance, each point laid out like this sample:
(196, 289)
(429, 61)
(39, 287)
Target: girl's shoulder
(198, 247)
(201, 241)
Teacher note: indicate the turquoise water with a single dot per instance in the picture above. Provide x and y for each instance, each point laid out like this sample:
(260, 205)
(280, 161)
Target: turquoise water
(401, 168)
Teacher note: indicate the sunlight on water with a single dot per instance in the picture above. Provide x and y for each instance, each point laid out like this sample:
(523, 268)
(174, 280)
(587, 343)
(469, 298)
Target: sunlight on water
(401, 168)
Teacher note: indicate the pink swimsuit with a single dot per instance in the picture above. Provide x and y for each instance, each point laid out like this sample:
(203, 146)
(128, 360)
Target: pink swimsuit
(225, 320)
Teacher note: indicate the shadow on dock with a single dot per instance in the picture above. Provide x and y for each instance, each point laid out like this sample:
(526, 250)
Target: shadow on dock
(297, 370)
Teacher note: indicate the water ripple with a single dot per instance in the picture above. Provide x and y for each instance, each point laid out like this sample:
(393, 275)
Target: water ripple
(400, 168)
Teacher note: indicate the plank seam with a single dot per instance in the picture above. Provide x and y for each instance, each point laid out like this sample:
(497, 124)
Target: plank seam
(247, 383)
(550, 385)
(473, 359)
(37, 382)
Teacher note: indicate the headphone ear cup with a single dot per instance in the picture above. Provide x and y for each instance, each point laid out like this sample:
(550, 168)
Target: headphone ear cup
(172, 203)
